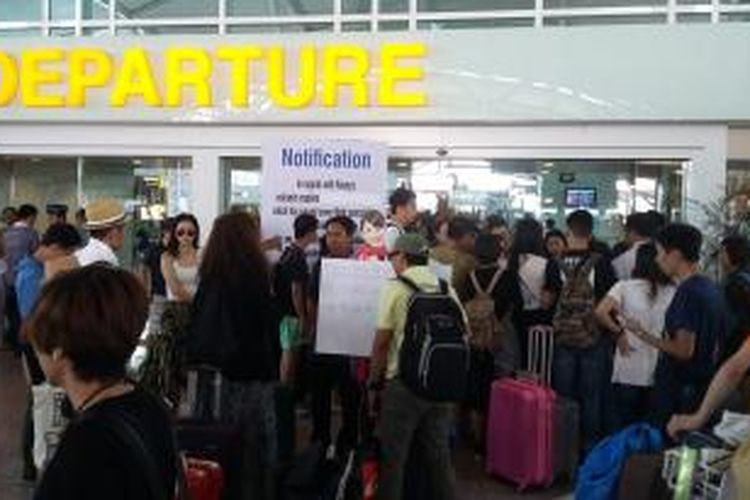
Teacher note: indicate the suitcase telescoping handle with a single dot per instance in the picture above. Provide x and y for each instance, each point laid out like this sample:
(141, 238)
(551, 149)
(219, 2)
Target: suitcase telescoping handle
(196, 399)
(541, 347)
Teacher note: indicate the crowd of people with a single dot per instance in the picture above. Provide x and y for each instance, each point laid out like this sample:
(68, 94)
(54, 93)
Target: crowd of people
(639, 334)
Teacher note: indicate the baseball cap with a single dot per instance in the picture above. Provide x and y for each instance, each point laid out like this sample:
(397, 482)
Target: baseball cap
(411, 244)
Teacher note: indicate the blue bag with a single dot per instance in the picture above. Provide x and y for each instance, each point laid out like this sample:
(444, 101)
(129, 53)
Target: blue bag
(599, 475)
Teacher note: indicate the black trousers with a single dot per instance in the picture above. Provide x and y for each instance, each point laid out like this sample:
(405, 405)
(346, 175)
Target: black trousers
(324, 374)
(13, 328)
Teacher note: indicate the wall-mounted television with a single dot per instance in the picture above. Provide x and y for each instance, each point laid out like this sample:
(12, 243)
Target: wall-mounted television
(580, 197)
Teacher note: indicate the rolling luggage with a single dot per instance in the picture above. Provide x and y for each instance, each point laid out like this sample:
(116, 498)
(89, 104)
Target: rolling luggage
(204, 479)
(520, 430)
(567, 420)
(567, 438)
(532, 436)
(204, 436)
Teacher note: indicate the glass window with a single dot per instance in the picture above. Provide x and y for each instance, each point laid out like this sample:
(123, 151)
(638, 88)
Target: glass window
(241, 183)
(693, 18)
(472, 5)
(150, 9)
(152, 188)
(363, 26)
(20, 33)
(365, 6)
(279, 7)
(62, 10)
(739, 17)
(39, 181)
(738, 177)
(95, 9)
(281, 28)
(394, 6)
(62, 32)
(95, 32)
(735, 2)
(393, 25)
(356, 6)
(693, 2)
(545, 189)
(565, 4)
(168, 30)
(604, 20)
(21, 10)
(472, 24)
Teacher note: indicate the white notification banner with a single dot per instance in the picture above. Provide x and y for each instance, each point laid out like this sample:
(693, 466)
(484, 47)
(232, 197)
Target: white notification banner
(321, 177)
(348, 305)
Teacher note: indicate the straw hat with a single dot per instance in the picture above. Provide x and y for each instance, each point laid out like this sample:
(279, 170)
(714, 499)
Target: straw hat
(104, 213)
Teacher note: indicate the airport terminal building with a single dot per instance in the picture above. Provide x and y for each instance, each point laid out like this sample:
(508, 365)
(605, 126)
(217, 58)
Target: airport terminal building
(520, 106)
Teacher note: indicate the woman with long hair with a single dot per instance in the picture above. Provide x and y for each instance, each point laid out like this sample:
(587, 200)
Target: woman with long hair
(555, 244)
(179, 263)
(644, 300)
(164, 370)
(535, 281)
(234, 309)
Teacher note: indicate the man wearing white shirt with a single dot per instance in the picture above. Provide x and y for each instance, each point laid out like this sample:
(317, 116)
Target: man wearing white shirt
(106, 225)
(640, 228)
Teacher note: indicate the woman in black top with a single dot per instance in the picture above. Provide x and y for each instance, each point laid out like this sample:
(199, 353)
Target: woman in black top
(119, 444)
(233, 305)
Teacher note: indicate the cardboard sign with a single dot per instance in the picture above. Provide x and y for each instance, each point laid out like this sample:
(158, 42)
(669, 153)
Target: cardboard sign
(348, 306)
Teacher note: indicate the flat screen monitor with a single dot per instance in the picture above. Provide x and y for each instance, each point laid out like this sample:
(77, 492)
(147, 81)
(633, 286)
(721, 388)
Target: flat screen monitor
(580, 198)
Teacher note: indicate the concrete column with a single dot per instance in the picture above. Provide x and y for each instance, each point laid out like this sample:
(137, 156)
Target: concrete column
(206, 189)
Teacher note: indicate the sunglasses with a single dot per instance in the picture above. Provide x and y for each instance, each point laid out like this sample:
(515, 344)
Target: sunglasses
(183, 232)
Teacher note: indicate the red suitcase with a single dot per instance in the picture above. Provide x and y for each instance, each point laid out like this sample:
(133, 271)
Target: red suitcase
(205, 479)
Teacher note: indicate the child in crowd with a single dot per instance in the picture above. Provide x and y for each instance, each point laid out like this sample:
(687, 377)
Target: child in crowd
(373, 234)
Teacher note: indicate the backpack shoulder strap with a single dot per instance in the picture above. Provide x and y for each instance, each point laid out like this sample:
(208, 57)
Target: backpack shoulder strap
(475, 283)
(589, 264)
(409, 283)
(569, 272)
(494, 281)
(443, 287)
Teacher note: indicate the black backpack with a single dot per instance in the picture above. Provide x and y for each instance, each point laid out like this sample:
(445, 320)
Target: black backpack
(435, 353)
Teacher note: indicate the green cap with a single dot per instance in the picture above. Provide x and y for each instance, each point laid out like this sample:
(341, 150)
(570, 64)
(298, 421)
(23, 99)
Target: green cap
(412, 244)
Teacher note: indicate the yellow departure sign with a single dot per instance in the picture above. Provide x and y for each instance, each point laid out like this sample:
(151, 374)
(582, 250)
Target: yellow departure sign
(326, 75)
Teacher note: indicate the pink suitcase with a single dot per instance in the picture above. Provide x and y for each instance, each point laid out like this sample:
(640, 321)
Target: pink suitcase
(520, 433)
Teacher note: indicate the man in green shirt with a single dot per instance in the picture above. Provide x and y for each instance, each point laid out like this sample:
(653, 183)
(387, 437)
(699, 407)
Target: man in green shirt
(405, 418)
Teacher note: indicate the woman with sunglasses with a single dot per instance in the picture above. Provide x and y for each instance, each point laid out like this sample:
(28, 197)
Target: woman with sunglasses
(179, 264)
(164, 370)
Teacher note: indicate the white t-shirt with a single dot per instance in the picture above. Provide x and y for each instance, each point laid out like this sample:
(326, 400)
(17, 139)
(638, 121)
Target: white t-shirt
(634, 300)
(96, 251)
(531, 277)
